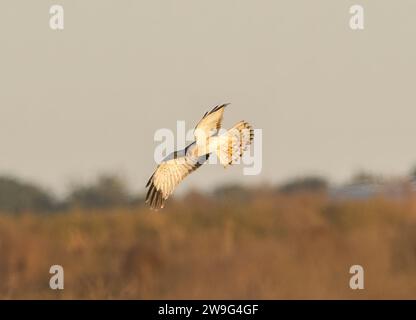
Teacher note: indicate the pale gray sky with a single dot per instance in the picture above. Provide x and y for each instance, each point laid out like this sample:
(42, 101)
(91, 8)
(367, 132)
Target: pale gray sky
(88, 99)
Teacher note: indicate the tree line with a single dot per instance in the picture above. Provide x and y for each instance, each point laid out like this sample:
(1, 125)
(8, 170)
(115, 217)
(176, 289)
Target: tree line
(109, 191)
(106, 192)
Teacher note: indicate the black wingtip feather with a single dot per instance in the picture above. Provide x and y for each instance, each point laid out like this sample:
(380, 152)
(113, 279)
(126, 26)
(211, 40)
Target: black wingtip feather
(154, 197)
(215, 109)
(150, 180)
(148, 194)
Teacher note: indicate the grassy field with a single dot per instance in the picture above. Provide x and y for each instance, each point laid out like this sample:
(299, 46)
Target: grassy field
(270, 246)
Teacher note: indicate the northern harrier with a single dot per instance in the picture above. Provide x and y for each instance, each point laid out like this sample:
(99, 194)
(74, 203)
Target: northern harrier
(228, 146)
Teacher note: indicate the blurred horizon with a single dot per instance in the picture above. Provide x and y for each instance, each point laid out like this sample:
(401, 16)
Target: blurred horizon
(109, 190)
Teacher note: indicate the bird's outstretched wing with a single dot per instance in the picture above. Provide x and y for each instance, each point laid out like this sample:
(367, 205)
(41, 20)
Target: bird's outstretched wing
(209, 124)
(167, 176)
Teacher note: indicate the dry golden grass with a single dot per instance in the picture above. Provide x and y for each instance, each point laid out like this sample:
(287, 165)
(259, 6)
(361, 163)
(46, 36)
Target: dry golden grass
(269, 247)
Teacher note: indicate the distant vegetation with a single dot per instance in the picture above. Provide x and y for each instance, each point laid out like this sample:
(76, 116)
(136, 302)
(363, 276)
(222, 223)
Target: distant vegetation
(270, 246)
(107, 191)
(17, 196)
(110, 191)
(266, 242)
(363, 177)
(305, 184)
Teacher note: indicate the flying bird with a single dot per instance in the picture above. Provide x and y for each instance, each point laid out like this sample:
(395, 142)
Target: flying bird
(228, 146)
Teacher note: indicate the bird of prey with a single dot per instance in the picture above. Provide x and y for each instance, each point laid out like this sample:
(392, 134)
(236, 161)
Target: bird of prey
(228, 146)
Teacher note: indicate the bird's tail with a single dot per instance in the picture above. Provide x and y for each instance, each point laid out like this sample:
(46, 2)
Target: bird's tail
(234, 142)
